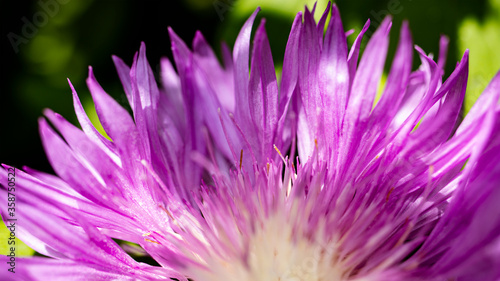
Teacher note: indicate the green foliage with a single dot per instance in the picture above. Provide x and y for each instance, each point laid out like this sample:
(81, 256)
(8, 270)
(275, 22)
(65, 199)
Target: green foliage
(21, 249)
(482, 37)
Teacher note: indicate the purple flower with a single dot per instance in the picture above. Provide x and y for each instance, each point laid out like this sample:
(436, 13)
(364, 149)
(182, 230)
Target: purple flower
(204, 178)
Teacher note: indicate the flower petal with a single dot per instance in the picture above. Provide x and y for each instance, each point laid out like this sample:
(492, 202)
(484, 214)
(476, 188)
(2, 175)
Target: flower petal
(124, 74)
(241, 54)
(263, 95)
(118, 124)
(352, 59)
(333, 78)
(396, 84)
(309, 58)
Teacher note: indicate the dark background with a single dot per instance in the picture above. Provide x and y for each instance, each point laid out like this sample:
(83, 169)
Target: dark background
(83, 33)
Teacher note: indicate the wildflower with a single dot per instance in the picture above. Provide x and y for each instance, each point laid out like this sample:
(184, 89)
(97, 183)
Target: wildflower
(202, 178)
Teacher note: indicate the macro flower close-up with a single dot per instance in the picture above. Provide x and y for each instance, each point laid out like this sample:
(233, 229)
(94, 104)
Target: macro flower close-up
(226, 170)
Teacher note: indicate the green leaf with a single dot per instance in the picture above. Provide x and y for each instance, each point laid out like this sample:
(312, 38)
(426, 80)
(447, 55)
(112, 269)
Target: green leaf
(483, 40)
(21, 249)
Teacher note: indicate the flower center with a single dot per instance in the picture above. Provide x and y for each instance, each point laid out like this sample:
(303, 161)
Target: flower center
(275, 253)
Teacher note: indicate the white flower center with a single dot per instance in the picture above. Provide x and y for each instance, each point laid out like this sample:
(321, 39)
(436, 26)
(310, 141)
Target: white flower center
(273, 255)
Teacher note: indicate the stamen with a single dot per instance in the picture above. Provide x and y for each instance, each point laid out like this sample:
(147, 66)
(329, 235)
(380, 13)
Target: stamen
(167, 211)
(431, 171)
(149, 240)
(428, 189)
(252, 155)
(241, 158)
(279, 152)
(389, 194)
(409, 228)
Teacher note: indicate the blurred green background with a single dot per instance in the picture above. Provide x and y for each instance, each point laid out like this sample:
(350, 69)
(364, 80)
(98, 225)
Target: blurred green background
(46, 41)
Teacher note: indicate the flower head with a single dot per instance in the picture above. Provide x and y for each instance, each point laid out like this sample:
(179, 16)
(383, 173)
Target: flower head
(204, 177)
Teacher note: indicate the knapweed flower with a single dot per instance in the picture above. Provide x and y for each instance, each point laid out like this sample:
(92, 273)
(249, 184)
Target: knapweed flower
(206, 180)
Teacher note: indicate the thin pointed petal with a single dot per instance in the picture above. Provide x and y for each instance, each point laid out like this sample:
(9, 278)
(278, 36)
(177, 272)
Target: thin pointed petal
(263, 92)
